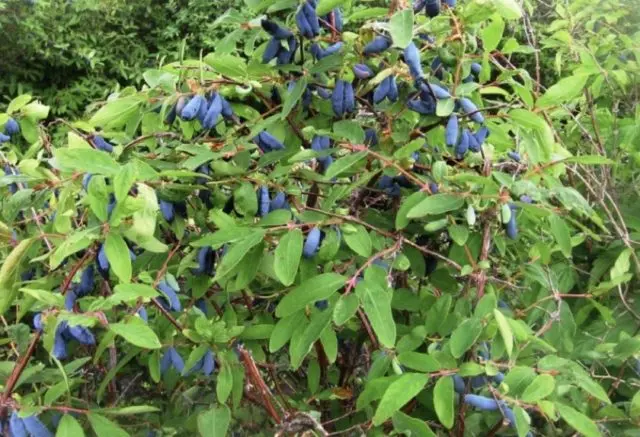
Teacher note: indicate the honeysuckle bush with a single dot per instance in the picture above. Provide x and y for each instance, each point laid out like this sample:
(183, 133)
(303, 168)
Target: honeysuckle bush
(348, 220)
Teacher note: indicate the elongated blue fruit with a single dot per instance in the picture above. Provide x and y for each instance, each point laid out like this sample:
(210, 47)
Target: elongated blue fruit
(474, 146)
(418, 5)
(202, 112)
(514, 155)
(271, 51)
(382, 90)
(227, 110)
(481, 402)
(182, 102)
(86, 281)
(338, 20)
(512, 227)
(370, 137)
(111, 205)
(323, 93)
(285, 56)
(325, 163)
(70, 299)
(438, 91)
(432, 8)
(81, 334)
(102, 144)
(142, 313)
(10, 171)
(268, 142)
(263, 201)
(11, 127)
(168, 210)
(208, 363)
(312, 17)
(482, 135)
(450, 3)
(434, 188)
(16, 426)
(319, 143)
(349, 97)
(451, 132)
(471, 110)
(171, 298)
(498, 377)
(213, 113)
(176, 360)
(476, 68)
(378, 45)
(458, 384)
(279, 202)
(35, 427)
(362, 71)
(412, 58)
(304, 27)
(337, 98)
(421, 106)
(206, 259)
(275, 30)
(463, 145)
(4, 138)
(392, 95)
(319, 53)
(103, 262)
(191, 109)
(59, 345)
(437, 68)
(312, 243)
(165, 362)
(526, 199)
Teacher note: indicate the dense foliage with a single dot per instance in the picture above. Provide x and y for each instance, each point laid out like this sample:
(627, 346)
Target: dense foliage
(69, 53)
(344, 219)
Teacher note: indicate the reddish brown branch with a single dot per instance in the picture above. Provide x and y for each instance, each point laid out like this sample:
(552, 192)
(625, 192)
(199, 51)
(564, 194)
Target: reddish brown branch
(256, 379)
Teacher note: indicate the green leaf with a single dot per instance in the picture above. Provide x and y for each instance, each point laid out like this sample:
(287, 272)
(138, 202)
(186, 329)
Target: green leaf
(465, 336)
(214, 422)
(578, 421)
(540, 388)
(118, 255)
(345, 308)
(287, 256)
(128, 411)
(399, 392)
(358, 241)
(18, 103)
(527, 119)
(293, 97)
(325, 6)
(104, 427)
(349, 130)
(509, 9)
(123, 181)
(343, 164)
(312, 290)
(69, 427)
(229, 65)
(224, 382)
(283, 330)
(411, 425)
(505, 330)
(237, 252)
(436, 204)
(86, 160)
(634, 410)
(561, 233)
(445, 107)
(419, 361)
(401, 27)
(563, 91)
(137, 333)
(376, 302)
(319, 322)
(443, 401)
(492, 34)
(523, 421)
(132, 292)
(115, 112)
(402, 221)
(8, 272)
